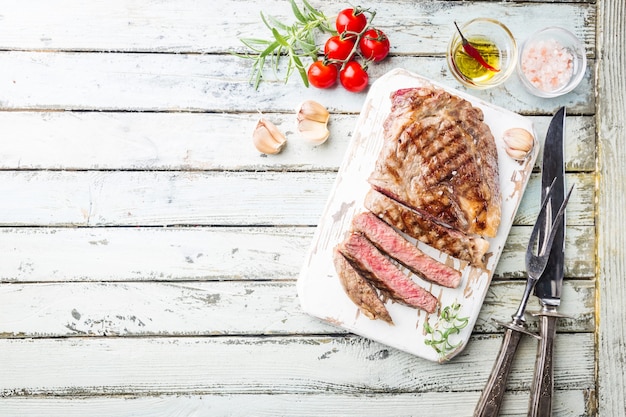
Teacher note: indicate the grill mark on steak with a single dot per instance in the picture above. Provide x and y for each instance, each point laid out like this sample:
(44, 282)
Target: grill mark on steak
(456, 156)
(359, 290)
(390, 242)
(439, 157)
(453, 242)
(386, 276)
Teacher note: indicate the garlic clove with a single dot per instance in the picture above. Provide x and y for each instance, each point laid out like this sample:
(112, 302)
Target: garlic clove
(516, 153)
(312, 110)
(267, 138)
(314, 132)
(519, 142)
(313, 122)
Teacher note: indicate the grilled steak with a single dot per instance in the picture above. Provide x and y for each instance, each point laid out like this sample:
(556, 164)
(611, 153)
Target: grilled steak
(360, 291)
(373, 265)
(440, 158)
(390, 242)
(457, 244)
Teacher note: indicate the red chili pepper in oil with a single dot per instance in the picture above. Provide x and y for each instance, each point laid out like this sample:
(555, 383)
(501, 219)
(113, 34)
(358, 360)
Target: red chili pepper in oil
(473, 52)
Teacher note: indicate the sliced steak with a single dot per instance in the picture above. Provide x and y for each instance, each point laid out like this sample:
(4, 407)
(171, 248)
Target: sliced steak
(390, 242)
(457, 244)
(386, 276)
(439, 156)
(359, 290)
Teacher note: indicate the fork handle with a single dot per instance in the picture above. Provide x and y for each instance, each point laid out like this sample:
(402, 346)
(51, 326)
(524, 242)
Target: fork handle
(543, 382)
(491, 397)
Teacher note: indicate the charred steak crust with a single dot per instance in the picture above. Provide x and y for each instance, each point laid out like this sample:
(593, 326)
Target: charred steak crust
(359, 290)
(391, 243)
(456, 244)
(439, 157)
(386, 276)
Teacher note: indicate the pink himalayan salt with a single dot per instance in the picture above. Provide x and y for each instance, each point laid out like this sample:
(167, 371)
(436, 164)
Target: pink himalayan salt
(547, 64)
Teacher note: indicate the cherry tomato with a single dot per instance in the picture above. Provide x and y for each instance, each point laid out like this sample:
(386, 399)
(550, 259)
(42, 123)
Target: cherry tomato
(374, 45)
(338, 49)
(351, 20)
(321, 75)
(353, 77)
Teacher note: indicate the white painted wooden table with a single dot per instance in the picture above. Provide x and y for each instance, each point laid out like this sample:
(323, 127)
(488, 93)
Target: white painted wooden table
(148, 253)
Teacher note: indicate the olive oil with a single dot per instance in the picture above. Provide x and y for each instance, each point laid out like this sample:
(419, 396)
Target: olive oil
(470, 67)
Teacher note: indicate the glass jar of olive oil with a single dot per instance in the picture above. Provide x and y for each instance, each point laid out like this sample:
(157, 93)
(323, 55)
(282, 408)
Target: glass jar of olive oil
(472, 68)
(496, 46)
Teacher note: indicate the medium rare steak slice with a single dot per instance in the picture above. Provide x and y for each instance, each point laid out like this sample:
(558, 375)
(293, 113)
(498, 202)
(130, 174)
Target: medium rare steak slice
(457, 244)
(439, 156)
(375, 266)
(359, 290)
(390, 242)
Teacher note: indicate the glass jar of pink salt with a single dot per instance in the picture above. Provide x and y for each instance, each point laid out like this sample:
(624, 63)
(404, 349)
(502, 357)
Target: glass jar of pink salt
(552, 62)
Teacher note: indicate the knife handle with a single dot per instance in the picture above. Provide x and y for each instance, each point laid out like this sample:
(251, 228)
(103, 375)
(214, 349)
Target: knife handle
(543, 381)
(491, 397)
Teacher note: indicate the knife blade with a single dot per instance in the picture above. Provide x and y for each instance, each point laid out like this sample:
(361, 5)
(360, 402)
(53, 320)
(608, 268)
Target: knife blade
(548, 287)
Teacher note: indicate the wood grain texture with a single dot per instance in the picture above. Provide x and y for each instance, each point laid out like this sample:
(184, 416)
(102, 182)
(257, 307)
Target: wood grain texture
(219, 308)
(568, 403)
(117, 254)
(166, 198)
(611, 214)
(280, 365)
(152, 254)
(213, 27)
(216, 83)
(201, 141)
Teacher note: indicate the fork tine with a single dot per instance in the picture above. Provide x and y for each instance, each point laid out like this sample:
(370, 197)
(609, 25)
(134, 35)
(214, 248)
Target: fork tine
(545, 249)
(540, 220)
(536, 264)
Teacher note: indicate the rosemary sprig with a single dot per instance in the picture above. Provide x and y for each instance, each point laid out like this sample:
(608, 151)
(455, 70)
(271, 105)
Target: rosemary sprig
(294, 42)
(448, 324)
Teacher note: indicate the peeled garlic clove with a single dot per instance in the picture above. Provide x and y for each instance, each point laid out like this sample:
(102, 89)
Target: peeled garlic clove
(312, 110)
(267, 138)
(313, 122)
(519, 142)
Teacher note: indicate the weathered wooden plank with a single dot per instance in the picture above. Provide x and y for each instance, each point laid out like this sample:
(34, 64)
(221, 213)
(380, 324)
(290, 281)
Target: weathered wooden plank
(169, 254)
(215, 253)
(200, 141)
(584, 190)
(165, 141)
(162, 198)
(580, 142)
(611, 214)
(191, 26)
(227, 365)
(579, 253)
(434, 404)
(217, 83)
(101, 198)
(502, 300)
(219, 308)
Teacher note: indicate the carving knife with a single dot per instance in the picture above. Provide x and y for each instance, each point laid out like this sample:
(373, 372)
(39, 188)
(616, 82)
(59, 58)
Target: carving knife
(548, 287)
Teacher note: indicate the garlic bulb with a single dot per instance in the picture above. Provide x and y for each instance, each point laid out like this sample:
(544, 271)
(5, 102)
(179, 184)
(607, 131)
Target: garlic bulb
(519, 142)
(267, 138)
(313, 122)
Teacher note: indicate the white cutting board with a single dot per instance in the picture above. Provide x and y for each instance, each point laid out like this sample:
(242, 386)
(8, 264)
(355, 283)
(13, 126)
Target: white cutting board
(319, 289)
